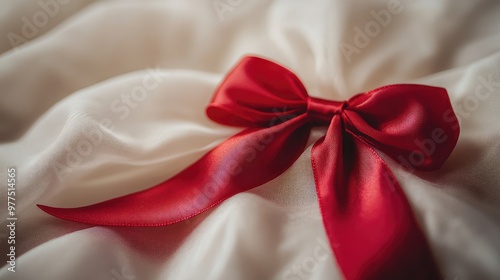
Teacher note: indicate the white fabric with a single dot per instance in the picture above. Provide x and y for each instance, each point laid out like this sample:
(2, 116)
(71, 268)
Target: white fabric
(75, 142)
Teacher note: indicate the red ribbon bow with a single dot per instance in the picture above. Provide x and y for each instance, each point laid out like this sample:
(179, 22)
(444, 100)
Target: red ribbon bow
(363, 207)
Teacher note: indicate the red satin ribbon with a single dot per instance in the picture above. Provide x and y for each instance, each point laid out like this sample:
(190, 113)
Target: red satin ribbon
(362, 205)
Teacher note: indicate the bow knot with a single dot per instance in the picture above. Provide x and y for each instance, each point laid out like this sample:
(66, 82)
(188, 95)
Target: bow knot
(321, 111)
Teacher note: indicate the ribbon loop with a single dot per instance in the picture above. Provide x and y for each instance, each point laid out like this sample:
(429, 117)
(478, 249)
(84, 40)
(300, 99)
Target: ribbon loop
(257, 93)
(407, 122)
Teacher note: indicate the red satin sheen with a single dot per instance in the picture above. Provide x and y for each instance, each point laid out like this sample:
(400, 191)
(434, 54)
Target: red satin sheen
(363, 206)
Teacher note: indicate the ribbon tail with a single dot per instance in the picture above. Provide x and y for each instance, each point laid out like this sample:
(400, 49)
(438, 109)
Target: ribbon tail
(368, 220)
(244, 161)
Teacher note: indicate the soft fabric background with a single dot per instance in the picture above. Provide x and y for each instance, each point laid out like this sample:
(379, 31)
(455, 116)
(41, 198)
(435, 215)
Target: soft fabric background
(63, 88)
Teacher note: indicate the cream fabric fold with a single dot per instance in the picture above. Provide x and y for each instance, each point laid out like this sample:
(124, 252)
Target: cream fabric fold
(108, 98)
